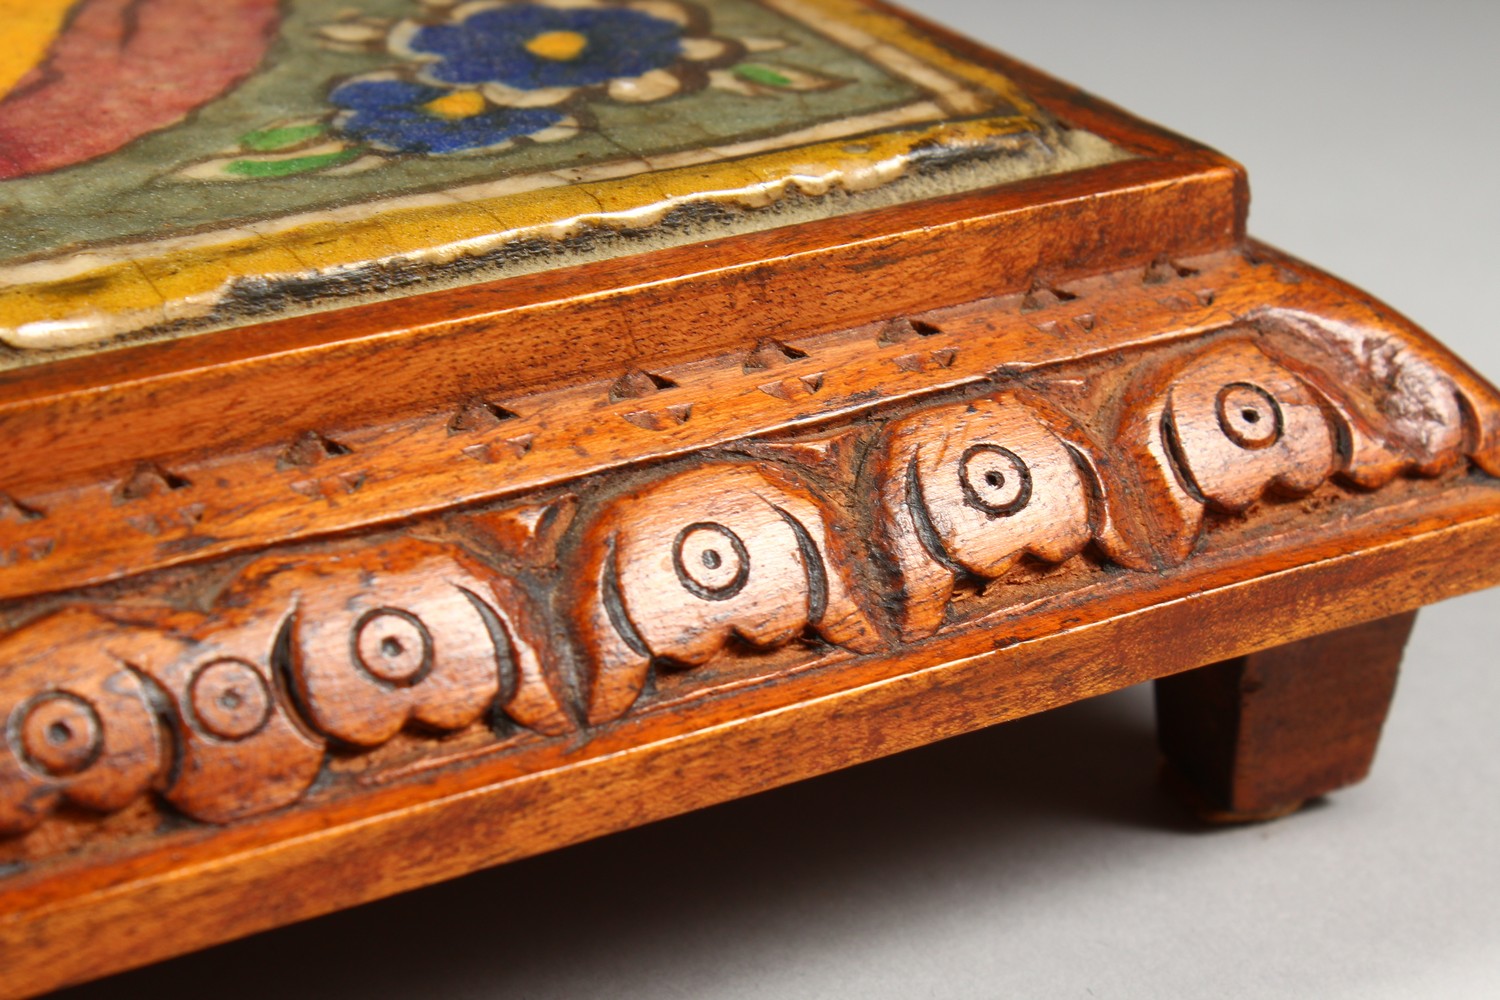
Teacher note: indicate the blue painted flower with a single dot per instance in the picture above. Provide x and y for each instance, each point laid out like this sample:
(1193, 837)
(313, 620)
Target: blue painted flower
(534, 53)
(399, 115)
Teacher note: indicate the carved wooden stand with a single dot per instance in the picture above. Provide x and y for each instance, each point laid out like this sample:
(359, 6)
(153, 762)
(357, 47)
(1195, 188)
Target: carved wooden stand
(275, 647)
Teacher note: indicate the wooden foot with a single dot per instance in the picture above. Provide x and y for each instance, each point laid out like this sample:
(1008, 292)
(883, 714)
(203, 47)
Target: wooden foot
(1255, 737)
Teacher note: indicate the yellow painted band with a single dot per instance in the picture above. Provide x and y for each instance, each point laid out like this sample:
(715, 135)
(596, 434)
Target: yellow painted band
(30, 26)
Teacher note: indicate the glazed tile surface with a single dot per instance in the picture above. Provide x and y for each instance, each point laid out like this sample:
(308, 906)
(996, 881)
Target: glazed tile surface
(171, 166)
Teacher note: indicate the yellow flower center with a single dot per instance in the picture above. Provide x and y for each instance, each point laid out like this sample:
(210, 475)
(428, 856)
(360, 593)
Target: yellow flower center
(559, 45)
(459, 104)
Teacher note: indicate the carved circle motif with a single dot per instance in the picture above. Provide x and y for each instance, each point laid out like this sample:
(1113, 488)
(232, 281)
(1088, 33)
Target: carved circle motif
(994, 480)
(1249, 416)
(711, 561)
(230, 699)
(61, 734)
(393, 646)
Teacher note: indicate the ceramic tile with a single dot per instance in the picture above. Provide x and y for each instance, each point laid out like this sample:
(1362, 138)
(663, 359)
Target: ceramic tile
(169, 166)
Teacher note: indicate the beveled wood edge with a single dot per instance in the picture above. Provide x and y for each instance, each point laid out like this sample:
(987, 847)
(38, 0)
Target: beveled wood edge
(381, 473)
(210, 895)
(391, 361)
(238, 500)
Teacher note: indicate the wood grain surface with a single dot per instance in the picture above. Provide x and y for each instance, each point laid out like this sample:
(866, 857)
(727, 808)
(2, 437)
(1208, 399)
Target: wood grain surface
(375, 598)
(538, 669)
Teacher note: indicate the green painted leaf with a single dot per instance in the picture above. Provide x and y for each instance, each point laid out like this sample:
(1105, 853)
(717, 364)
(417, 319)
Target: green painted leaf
(763, 75)
(289, 167)
(779, 76)
(269, 140)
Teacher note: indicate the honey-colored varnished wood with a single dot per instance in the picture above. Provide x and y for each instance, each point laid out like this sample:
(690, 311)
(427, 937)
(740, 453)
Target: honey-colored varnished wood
(544, 667)
(1028, 496)
(721, 554)
(317, 610)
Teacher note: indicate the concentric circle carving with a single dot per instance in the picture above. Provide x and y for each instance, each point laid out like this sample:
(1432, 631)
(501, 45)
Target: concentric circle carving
(230, 699)
(1249, 416)
(711, 561)
(393, 646)
(61, 734)
(994, 480)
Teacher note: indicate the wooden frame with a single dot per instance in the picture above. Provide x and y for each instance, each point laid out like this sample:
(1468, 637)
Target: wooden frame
(1150, 500)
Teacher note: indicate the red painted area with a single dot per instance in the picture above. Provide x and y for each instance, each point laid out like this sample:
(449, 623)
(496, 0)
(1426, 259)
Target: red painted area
(122, 68)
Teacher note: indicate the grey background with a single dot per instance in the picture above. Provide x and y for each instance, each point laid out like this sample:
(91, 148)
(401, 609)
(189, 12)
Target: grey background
(1041, 859)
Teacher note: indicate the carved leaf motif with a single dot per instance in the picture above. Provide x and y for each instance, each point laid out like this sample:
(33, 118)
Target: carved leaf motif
(1222, 430)
(402, 633)
(529, 532)
(679, 569)
(1407, 408)
(971, 488)
(836, 455)
(240, 750)
(78, 722)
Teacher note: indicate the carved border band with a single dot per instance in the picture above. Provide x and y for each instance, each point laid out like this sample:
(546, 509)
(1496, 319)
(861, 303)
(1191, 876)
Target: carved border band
(554, 615)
